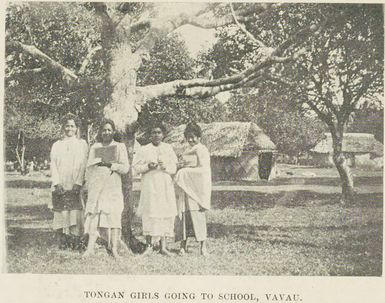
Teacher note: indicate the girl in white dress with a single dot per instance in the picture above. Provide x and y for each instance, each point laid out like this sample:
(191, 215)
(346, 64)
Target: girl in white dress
(105, 197)
(193, 191)
(156, 162)
(68, 163)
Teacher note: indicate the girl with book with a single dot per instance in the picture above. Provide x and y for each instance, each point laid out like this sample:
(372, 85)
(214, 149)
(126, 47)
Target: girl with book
(107, 161)
(193, 182)
(68, 163)
(156, 162)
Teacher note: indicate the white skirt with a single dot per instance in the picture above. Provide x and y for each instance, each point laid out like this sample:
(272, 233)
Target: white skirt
(67, 219)
(158, 227)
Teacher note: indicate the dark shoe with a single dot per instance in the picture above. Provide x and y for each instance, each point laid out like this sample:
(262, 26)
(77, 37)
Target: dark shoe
(148, 251)
(63, 241)
(83, 242)
(104, 243)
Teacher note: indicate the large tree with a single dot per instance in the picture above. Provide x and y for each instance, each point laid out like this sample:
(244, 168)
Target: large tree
(340, 71)
(121, 38)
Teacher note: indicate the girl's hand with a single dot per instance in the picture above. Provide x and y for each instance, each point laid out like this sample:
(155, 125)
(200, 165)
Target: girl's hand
(76, 188)
(161, 165)
(181, 164)
(59, 189)
(104, 164)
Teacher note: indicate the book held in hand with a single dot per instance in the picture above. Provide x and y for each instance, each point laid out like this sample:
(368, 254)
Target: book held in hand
(191, 160)
(107, 154)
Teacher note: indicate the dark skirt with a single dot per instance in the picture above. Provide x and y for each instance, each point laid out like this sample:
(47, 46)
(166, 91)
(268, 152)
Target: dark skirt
(69, 200)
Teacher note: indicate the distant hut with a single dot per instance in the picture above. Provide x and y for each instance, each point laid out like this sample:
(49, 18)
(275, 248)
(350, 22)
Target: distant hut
(360, 149)
(239, 150)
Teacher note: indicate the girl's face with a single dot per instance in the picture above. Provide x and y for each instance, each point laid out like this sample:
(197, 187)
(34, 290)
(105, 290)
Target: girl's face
(192, 139)
(156, 136)
(70, 128)
(107, 133)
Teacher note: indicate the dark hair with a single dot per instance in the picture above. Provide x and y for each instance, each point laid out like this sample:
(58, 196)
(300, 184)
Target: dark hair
(158, 125)
(102, 124)
(194, 129)
(68, 117)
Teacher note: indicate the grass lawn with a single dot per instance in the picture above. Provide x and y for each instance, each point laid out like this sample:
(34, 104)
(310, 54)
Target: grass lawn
(287, 233)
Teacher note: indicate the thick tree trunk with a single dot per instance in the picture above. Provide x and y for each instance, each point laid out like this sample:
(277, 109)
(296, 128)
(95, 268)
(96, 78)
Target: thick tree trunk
(127, 188)
(121, 109)
(344, 171)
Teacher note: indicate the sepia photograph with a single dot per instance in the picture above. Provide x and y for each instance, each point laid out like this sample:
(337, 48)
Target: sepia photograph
(194, 139)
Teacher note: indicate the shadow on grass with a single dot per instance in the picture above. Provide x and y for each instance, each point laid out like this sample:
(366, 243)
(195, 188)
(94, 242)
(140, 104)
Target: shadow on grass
(40, 211)
(326, 181)
(255, 201)
(218, 230)
(27, 184)
(372, 200)
(23, 238)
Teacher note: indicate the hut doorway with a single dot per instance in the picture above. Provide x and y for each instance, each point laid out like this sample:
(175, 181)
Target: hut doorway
(265, 165)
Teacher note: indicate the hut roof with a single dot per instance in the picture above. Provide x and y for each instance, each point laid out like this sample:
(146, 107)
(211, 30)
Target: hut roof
(352, 143)
(225, 139)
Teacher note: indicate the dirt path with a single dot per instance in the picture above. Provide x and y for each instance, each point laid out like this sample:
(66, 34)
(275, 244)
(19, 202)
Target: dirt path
(323, 189)
(271, 189)
(317, 185)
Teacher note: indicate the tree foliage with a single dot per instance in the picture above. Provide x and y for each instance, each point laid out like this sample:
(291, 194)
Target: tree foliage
(86, 57)
(66, 32)
(368, 120)
(292, 131)
(170, 60)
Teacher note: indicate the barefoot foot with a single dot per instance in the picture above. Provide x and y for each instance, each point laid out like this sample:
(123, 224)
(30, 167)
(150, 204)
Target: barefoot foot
(166, 252)
(88, 253)
(204, 252)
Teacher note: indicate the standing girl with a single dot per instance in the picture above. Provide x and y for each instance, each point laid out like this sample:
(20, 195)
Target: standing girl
(107, 161)
(193, 191)
(68, 163)
(156, 162)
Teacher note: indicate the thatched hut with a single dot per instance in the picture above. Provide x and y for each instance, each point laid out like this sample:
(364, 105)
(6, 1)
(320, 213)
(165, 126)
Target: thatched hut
(361, 150)
(239, 150)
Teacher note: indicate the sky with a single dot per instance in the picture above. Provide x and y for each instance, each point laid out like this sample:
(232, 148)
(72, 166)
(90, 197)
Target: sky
(197, 39)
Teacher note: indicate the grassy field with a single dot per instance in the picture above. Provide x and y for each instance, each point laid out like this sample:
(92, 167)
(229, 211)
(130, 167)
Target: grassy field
(286, 233)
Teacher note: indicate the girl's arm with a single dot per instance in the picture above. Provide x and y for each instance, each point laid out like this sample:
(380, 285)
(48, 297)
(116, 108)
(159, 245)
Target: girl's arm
(82, 169)
(139, 164)
(190, 151)
(55, 178)
(203, 157)
(172, 162)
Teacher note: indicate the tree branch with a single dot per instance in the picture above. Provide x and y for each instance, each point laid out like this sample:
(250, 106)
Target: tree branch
(140, 24)
(324, 117)
(36, 70)
(244, 30)
(204, 87)
(328, 103)
(298, 36)
(68, 74)
(203, 18)
(101, 10)
(185, 88)
(349, 105)
(88, 59)
(278, 79)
